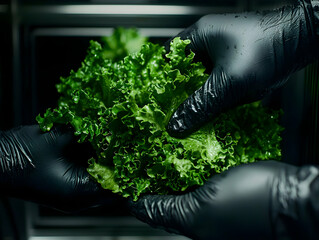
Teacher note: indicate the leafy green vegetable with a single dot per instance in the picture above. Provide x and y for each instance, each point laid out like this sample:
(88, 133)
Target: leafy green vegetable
(121, 105)
(122, 43)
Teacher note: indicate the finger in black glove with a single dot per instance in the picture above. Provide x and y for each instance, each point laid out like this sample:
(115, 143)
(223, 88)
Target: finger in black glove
(48, 168)
(263, 200)
(248, 55)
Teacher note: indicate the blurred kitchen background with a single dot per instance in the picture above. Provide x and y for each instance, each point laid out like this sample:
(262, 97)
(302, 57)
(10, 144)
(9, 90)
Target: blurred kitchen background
(43, 40)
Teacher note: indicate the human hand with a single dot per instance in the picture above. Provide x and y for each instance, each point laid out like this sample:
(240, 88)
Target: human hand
(48, 168)
(249, 55)
(263, 200)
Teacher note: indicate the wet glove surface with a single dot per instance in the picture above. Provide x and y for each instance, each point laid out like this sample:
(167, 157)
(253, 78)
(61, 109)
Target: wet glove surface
(249, 55)
(264, 200)
(48, 168)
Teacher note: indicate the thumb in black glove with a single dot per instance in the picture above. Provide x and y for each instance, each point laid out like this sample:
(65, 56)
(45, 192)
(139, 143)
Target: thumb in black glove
(249, 55)
(48, 168)
(263, 200)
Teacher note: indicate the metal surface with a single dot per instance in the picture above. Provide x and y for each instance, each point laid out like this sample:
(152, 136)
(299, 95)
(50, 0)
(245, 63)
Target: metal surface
(109, 238)
(68, 226)
(99, 32)
(121, 10)
(311, 115)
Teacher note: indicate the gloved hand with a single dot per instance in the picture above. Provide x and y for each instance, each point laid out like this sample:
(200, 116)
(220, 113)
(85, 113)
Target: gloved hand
(249, 55)
(48, 168)
(263, 200)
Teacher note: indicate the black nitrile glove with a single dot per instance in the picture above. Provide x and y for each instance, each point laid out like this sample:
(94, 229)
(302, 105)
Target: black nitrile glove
(263, 200)
(48, 168)
(249, 55)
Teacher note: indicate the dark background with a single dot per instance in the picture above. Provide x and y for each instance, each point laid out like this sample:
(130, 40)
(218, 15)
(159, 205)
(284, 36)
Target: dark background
(41, 40)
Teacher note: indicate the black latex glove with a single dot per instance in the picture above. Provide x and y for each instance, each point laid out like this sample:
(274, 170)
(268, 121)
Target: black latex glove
(249, 55)
(264, 200)
(48, 168)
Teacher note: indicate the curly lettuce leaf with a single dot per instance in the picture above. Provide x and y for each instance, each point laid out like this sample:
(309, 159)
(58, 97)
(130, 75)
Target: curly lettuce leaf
(121, 101)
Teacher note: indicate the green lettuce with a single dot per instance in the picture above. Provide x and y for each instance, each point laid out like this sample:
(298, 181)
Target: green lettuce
(121, 99)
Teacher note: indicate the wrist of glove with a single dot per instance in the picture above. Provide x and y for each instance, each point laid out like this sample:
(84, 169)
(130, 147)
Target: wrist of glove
(295, 206)
(15, 159)
(264, 200)
(48, 168)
